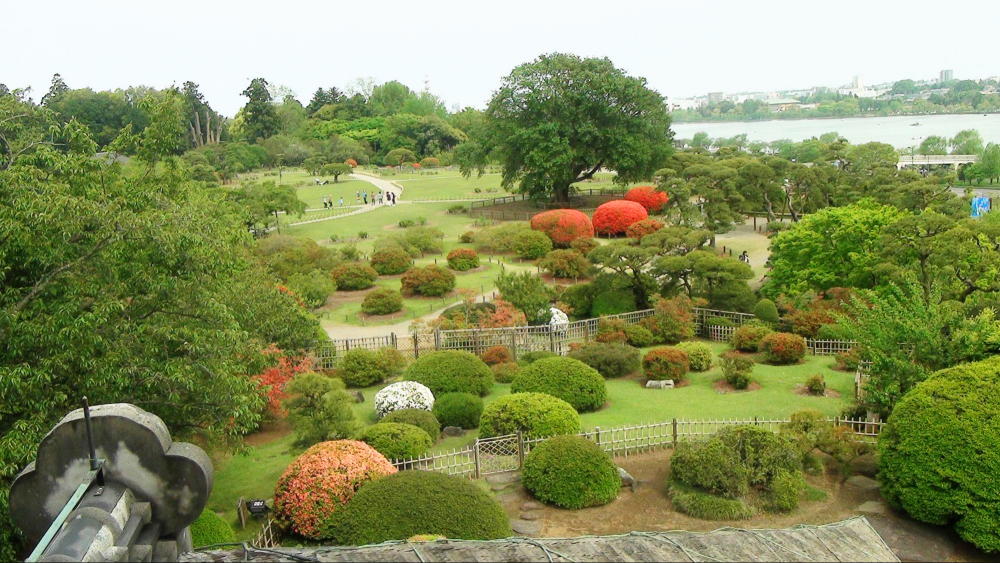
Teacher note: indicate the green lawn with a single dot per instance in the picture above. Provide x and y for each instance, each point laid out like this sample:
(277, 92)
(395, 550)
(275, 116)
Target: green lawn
(446, 184)
(384, 220)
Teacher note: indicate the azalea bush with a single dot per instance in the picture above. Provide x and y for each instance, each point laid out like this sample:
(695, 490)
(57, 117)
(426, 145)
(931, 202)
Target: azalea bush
(565, 264)
(666, 362)
(463, 259)
(532, 244)
(445, 371)
(397, 440)
(747, 337)
(354, 275)
(534, 414)
(783, 348)
(699, 355)
(382, 301)
(273, 380)
(430, 281)
(642, 228)
(321, 481)
(566, 378)
(571, 472)
(391, 260)
(563, 226)
(403, 395)
(458, 409)
(649, 197)
(497, 355)
(614, 217)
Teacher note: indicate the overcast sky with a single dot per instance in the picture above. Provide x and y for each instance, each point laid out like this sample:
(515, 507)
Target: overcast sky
(463, 48)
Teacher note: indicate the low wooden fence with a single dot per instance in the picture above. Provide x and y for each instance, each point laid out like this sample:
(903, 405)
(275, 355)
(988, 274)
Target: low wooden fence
(501, 454)
(269, 536)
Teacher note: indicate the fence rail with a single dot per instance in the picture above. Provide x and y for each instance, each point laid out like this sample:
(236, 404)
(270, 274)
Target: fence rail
(501, 454)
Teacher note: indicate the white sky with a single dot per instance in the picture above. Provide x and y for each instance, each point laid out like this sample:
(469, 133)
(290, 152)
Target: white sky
(464, 47)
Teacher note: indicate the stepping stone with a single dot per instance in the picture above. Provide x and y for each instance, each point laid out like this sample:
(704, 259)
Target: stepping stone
(526, 528)
(873, 507)
(505, 478)
(497, 487)
(532, 505)
(864, 483)
(535, 515)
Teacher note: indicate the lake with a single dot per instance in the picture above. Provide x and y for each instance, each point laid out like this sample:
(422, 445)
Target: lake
(897, 131)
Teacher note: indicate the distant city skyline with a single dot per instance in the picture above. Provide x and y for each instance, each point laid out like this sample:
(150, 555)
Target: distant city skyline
(464, 49)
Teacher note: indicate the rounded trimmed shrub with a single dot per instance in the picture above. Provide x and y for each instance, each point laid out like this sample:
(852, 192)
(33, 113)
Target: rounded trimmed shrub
(391, 260)
(353, 276)
(610, 360)
(766, 311)
(584, 245)
(382, 301)
(699, 355)
(565, 378)
(570, 472)
(463, 259)
(746, 338)
(565, 264)
(360, 367)
(466, 237)
(458, 409)
(639, 336)
(666, 362)
(413, 503)
(649, 197)
(430, 281)
(447, 371)
(563, 226)
(497, 355)
(783, 348)
(525, 358)
(532, 244)
(396, 440)
(315, 486)
(613, 217)
(698, 504)
(939, 452)
(403, 395)
(505, 372)
(209, 529)
(642, 228)
(535, 414)
(424, 420)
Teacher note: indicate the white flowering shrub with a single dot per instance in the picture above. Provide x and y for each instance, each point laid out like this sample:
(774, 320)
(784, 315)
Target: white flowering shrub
(403, 395)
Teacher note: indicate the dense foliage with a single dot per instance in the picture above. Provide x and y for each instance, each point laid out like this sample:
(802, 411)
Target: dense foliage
(319, 409)
(447, 371)
(614, 217)
(642, 228)
(699, 355)
(497, 355)
(463, 259)
(563, 226)
(570, 472)
(610, 360)
(403, 395)
(390, 260)
(505, 372)
(429, 281)
(534, 414)
(210, 529)
(353, 276)
(458, 409)
(666, 362)
(736, 368)
(746, 338)
(649, 197)
(783, 348)
(566, 264)
(531, 245)
(382, 301)
(420, 418)
(565, 378)
(397, 440)
(361, 367)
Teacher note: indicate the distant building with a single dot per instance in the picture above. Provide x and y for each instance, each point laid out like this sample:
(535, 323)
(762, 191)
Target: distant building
(684, 103)
(858, 89)
(947, 75)
(714, 97)
(783, 104)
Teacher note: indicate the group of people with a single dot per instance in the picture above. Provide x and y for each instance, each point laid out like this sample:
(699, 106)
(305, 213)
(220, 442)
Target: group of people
(361, 198)
(328, 202)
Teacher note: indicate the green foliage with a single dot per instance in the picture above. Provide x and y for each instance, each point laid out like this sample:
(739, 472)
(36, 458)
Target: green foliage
(783, 348)
(287, 255)
(390, 260)
(527, 292)
(314, 288)
(505, 372)
(534, 414)
(424, 420)
(354, 276)
(209, 529)
(382, 301)
(570, 472)
(463, 259)
(720, 280)
(430, 281)
(816, 385)
(666, 362)
(705, 506)
(526, 358)
(458, 409)
(565, 264)
(565, 378)
(412, 503)
(762, 452)
(786, 489)
(939, 452)
(672, 320)
(500, 238)
(766, 311)
(360, 367)
(699, 355)
(747, 337)
(711, 466)
(630, 264)
(396, 440)
(610, 360)
(447, 371)
(319, 409)
(259, 116)
(611, 330)
(639, 336)
(531, 245)
(612, 303)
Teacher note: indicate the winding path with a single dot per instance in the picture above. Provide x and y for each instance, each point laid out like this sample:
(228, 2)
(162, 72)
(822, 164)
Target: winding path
(379, 183)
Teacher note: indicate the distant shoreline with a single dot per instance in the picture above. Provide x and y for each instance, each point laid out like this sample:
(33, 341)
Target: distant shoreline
(867, 116)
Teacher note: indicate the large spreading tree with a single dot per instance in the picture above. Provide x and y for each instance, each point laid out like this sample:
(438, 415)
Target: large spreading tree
(560, 119)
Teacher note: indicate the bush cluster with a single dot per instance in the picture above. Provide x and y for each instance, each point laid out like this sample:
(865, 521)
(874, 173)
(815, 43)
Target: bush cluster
(565, 264)
(610, 360)
(390, 261)
(447, 371)
(584, 245)
(403, 395)
(699, 355)
(532, 244)
(458, 409)
(642, 228)
(382, 301)
(505, 372)
(613, 217)
(639, 336)
(672, 320)
(611, 330)
(463, 259)
(666, 362)
(783, 348)
(412, 503)
(649, 197)
(424, 420)
(353, 276)
(314, 287)
(430, 281)
(209, 528)
(321, 481)
(747, 337)
(570, 472)
(396, 440)
(535, 414)
(497, 355)
(563, 226)
(360, 367)
(736, 368)
(565, 378)
(499, 238)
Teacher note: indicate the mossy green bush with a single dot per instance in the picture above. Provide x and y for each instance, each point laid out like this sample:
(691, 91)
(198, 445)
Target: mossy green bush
(429, 281)
(351, 276)
(463, 259)
(815, 384)
(711, 466)
(362, 368)
(786, 489)
(706, 506)
(505, 372)
(526, 358)
(210, 529)
(566, 378)
(382, 301)
(534, 414)
(396, 440)
(424, 420)
(639, 336)
(766, 311)
(570, 472)
(412, 503)
(699, 355)
(747, 337)
(939, 454)
(566, 264)
(447, 371)
(458, 409)
(390, 260)
(610, 360)
(532, 244)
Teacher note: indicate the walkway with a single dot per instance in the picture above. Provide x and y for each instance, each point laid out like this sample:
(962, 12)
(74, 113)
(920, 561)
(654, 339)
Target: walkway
(379, 183)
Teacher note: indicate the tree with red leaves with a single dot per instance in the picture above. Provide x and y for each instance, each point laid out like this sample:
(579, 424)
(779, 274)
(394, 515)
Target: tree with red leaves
(273, 379)
(563, 225)
(649, 197)
(613, 217)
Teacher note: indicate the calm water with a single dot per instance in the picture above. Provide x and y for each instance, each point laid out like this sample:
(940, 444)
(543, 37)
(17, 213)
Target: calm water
(897, 131)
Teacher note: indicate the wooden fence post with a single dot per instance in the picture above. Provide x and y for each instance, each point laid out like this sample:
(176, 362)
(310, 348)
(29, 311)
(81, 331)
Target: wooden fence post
(674, 432)
(552, 340)
(475, 456)
(520, 449)
(416, 346)
(392, 338)
(513, 345)
(437, 339)
(597, 429)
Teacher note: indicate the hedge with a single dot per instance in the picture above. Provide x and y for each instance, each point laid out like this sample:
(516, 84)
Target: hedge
(463, 259)
(382, 301)
(610, 360)
(396, 440)
(570, 472)
(783, 348)
(666, 362)
(939, 454)
(430, 281)
(535, 414)
(412, 503)
(321, 481)
(702, 505)
(446, 371)
(532, 244)
(458, 409)
(563, 226)
(565, 378)
(354, 275)
(424, 420)
(209, 529)
(613, 217)
(649, 197)
(390, 261)
(699, 355)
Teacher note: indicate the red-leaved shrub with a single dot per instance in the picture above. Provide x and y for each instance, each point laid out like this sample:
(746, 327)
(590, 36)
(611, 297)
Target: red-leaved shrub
(563, 225)
(273, 379)
(463, 259)
(645, 227)
(666, 362)
(613, 217)
(321, 481)
(497, 355)
(783, 347)
(649, 197)
(351, 162)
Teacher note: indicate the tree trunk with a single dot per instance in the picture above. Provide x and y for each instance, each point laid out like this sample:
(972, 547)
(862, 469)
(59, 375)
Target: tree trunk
(199, 139)
(560, 194)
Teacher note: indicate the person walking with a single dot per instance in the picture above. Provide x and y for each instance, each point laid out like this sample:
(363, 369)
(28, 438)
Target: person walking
(357, 198)
(341, 201)
(326, 202)
(364, 196)
(745, 257)
(329, 199)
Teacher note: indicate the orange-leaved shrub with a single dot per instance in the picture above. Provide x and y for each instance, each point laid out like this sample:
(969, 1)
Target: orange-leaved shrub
(463, 259)
(613, 217)
(642, 228)
(649, 197)
(497, 355)
(272, 380)
(563, 226)
(783, 347)
(666, 362)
